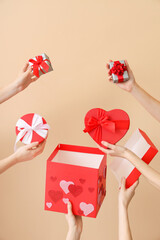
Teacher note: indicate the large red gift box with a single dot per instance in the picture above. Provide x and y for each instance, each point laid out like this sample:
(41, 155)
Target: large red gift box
(76, 174)
(140, 144)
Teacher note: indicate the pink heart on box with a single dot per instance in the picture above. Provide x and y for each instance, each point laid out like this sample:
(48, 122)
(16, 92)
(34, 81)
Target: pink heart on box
(64, 185)
(49, 204)
(86, 208)
(65, 200)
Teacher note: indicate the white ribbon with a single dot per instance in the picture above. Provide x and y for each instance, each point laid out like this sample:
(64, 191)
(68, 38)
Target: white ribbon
(26, 131)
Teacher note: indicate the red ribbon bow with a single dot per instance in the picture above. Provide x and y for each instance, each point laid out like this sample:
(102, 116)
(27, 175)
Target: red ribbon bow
(118, 69)
(39, 65)
(97, 124)
(104, 121)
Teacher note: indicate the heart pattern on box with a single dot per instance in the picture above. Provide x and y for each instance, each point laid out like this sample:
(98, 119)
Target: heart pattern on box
(91, 189)
(53, 179)
(65, 185)
(65, 200)
(55, 195)
(49, 204)
(109, 126)
(86, 208)
(75, 190)
(82, 181)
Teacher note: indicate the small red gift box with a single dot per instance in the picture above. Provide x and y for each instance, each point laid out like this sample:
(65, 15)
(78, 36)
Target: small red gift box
(76, 174)
(40, 65)
(119, 72)
(31, 128)
(141, 145)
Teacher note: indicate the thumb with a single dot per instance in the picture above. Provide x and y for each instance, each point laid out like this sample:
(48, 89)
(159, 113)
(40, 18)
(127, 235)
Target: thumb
(134, 186)
(32, 145)
(69, 207)
(123, 183)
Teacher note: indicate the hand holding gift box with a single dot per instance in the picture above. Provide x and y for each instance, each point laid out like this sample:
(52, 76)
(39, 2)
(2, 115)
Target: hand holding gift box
(140, 144)
(76, 174)
(31, 128)
(108, 126)
(119, 72)
(40, 65)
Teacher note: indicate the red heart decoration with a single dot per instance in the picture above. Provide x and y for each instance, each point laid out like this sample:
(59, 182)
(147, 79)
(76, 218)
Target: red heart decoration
(75, 190)
(53, 179)
(109, 126)
(80, 212)
(91, 189)
(82, 181)
(55, 195)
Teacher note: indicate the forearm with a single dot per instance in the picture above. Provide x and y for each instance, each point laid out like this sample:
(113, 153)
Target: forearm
(73, 235)
(152, 175)
(7, 163)
(124, 227)
(8, 91)
(147, 101)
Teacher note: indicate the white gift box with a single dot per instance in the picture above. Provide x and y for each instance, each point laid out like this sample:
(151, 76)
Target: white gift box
(140, 144)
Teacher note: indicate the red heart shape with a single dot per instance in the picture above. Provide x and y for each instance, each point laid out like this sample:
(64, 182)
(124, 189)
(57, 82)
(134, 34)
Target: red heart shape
(82, 181)
(53, 179)
(109, 126)
(91, 189)
(75, 190)
(55, 195)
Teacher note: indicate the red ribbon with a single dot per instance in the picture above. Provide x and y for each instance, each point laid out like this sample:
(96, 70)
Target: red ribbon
(39, 65)
(118, 69)
(104, 121)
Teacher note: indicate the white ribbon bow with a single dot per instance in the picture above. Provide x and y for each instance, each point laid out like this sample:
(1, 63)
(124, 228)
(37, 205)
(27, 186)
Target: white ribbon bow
(26, 131)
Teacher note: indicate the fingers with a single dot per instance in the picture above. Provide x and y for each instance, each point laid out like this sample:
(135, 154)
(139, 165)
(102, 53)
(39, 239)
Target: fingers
(107, 151)
(32, 145)
(135, 185)
(108, 145)
(69, 207)
(34, 78)
(128, 67)
(39, 149)
(123, 183)
(25, 67)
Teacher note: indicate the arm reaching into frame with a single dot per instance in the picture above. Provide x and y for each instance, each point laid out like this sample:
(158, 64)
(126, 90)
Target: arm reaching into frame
(24, 79)
(114, 150)
(125, 196)
(75, 224)
(23, 154)
(151, 104)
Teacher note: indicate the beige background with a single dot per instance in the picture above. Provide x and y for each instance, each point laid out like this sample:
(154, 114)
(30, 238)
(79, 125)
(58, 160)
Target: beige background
(79, 37)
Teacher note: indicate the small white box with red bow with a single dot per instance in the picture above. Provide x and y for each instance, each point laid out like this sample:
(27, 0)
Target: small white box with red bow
(119, 72)
(40, 65)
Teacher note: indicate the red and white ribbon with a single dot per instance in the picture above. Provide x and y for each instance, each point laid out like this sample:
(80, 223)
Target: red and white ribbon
(26, 130)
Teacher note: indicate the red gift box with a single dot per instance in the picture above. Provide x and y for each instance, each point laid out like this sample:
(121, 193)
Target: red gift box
(31, 128)
(76, 174)
(142, 146)
(109, 126)
(119, 72)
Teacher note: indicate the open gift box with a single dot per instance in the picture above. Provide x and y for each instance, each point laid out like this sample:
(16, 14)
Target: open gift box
(76, 174)
(142, 146)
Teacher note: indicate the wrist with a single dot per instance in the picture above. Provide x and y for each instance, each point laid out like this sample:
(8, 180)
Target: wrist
(134, 88)
(122, 204)
(73, 234)
(18, 86)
